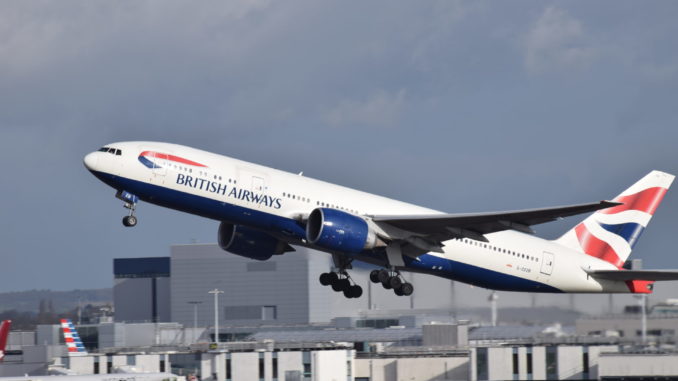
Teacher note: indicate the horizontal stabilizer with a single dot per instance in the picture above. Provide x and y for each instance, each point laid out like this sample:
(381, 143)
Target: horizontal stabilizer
(623, 275)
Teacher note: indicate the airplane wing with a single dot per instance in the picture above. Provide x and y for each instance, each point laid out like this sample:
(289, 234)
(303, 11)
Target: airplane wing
(436, 228)
(635, 274)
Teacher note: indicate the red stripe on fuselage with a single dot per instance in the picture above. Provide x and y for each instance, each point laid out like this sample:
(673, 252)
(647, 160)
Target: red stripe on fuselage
(645, 201)
(165, 156)
(595, 247)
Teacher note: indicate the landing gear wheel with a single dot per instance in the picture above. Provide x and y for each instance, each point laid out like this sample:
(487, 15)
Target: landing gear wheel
(129, 221)
(341, 285)
(383, 276)
(374, 276)
(407, 289)
(354, 291)
(386, 285)
(395, 282)
(398, 292)
(325, 279)
(357, 291)
(332, 277)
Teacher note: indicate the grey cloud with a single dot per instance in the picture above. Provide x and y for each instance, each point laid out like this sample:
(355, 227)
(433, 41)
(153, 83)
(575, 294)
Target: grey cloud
(557, 41)
(426, 102)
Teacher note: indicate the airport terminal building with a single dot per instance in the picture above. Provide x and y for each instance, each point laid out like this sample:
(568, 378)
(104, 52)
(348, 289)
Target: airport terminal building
(283, 290)
(277, 322)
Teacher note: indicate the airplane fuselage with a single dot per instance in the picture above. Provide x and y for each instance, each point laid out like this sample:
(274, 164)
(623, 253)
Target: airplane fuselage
(277, 202)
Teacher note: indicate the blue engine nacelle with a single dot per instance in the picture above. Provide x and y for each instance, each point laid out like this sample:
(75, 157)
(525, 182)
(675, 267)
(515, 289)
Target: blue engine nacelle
(250, 243)
(339, 231)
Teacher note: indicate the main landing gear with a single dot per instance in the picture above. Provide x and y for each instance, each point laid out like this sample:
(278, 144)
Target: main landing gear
(341, 282)
(130, 203)
(392, 280)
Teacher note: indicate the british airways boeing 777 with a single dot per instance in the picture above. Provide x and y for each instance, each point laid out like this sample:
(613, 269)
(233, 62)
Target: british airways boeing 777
(262, 211)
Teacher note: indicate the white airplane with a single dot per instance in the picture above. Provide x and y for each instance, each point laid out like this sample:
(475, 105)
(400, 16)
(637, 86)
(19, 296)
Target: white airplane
(263, 211)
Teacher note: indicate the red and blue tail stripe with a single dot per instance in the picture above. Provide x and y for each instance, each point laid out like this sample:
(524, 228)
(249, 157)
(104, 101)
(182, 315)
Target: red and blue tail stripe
(72, 339)
(610, 234)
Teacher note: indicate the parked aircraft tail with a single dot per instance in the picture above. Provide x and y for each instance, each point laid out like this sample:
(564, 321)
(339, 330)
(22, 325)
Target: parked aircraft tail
(72, 339)
(610, 234)
(4, 333)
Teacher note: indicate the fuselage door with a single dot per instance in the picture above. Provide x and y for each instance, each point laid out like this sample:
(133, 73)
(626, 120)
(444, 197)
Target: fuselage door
(547, 263)
(258, 188)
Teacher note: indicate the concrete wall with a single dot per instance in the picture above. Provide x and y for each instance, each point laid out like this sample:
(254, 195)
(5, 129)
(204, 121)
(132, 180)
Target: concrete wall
(570, 362)
(141, 334)
(248, 285)
(414, 368)
(289, 282)
(132, 299)
(628, 325)
(18, 339)
(332, 365)
(538, 363)
(619, 365)
(500, 363)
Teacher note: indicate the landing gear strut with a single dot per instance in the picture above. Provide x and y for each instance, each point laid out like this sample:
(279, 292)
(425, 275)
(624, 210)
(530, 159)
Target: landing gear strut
(130, 203)
(391, 279)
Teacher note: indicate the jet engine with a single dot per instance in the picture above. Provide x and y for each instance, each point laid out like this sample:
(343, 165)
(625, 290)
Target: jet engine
(339, 231)
(250, 243)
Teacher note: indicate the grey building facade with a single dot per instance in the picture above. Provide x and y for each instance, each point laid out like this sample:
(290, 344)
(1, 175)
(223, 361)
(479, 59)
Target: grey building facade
(141, 289)
(283, 289)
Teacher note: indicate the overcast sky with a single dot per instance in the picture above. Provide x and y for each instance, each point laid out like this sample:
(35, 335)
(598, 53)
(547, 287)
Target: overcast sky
(458, 106)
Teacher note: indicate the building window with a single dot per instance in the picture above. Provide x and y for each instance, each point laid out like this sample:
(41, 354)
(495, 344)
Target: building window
(529, 363)
(269, 313)
(585, 362)
(515, 363)
(162, 365)
(306, 360)
(262, 369)
(481, 363)
(551, 363)
(349, 368)
(228, 367)
(274, 366)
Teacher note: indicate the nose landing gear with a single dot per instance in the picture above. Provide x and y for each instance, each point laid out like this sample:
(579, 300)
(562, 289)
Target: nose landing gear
(131, 204)
(392, 280)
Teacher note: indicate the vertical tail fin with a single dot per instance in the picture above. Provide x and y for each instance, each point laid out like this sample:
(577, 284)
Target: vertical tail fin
(72, 339)
(4, 333)
(610, 234)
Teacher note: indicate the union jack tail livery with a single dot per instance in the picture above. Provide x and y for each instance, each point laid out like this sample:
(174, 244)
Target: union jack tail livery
(72, 339)
(610, 234)
(4, 333)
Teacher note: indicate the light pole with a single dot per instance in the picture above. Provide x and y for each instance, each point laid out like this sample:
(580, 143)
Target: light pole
(216, 293)
(195, 317)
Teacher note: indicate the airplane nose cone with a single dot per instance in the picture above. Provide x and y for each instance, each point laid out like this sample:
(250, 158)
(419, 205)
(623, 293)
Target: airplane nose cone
(91, 161)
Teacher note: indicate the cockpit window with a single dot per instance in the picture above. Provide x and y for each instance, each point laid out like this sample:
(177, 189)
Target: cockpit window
(110, 150)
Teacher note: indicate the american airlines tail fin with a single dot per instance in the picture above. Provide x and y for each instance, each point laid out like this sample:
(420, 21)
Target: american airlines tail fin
(610, 234)
(4, 333)
(72, 339)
